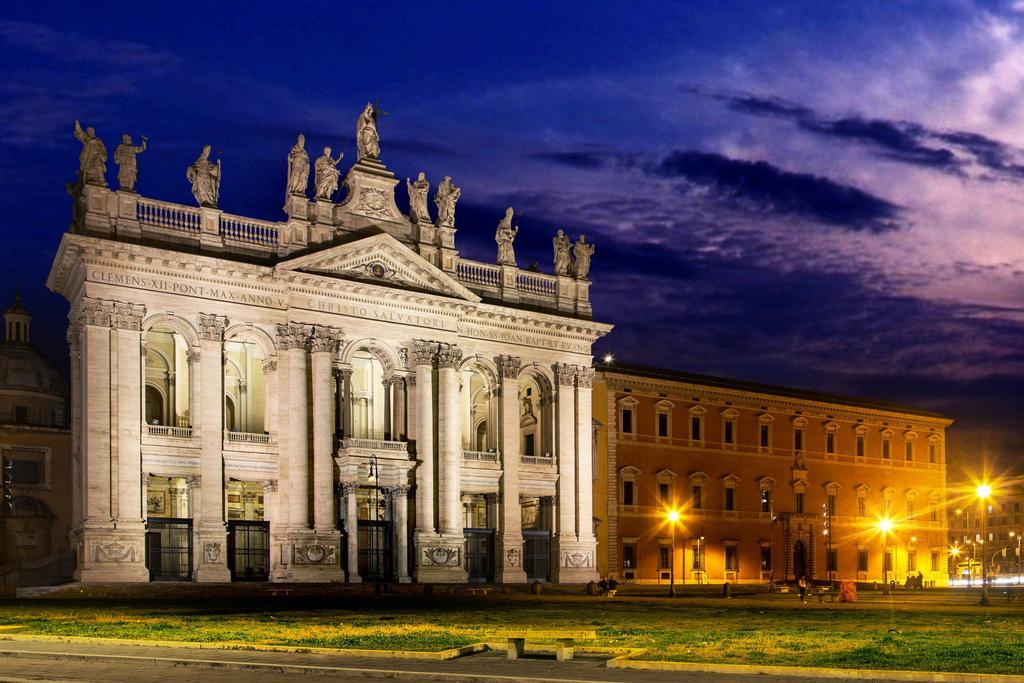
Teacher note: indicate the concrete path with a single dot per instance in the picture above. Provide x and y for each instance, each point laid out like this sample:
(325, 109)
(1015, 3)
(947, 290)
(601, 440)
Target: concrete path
(47, 661)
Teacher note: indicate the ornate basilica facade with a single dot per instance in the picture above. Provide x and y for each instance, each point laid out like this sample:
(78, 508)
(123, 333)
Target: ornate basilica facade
(334, 397)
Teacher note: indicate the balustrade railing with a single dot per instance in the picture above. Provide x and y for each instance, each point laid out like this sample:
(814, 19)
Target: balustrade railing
(248, 437)
(476, 273)
(375, 444)
(166, 215)
(248, 230)
(167, 430)
(537, 460)
(537, 283)
(482, 456)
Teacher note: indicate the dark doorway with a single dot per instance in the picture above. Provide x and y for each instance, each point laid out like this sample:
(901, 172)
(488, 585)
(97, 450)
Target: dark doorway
(249, 550)
(375, 550)
(169, 549)
(537, 555)
(480, 555)
(799, 559)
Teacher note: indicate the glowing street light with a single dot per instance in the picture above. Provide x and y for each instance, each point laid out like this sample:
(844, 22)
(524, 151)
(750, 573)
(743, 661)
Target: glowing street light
(673, 517)
(885, 526)
(984, 491)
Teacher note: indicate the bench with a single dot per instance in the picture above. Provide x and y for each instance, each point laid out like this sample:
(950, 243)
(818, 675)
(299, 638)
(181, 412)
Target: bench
(822, 591)
(566, 642)
(479, 590)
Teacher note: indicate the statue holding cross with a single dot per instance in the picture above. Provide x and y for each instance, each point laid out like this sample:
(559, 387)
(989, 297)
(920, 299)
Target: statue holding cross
(367, 140)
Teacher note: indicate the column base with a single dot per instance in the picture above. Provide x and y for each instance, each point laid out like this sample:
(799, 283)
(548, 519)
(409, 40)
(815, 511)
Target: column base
(109, 555)
(439, 559)
(313, 556)
(576, 561)
(508, 567)
(211, 548)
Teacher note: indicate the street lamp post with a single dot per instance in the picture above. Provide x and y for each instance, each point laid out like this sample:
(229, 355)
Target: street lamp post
(984, 491)
(1014, 534)
(374, 563)
(673, 517)
(885, 526)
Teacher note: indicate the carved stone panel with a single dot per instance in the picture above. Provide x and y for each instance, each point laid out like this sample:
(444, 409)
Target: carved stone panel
(513, 557)
(114, 551)
(577, 559)
(441, 557)
(211, 552)
(316, 553)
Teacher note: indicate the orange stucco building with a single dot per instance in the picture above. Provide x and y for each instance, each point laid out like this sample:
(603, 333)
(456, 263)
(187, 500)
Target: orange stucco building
(770, 482)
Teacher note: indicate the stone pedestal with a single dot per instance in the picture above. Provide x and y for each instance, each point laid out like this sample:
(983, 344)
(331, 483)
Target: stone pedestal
(371, 200)
(211, 549)
(508, 551)
(127, 215)
(313, 557)
(439, 559)
(576, 562)
(112, 555)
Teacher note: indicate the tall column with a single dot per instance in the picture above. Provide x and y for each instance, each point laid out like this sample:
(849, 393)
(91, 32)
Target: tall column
(449, 437)
(410, 407)
(510, 540)
(292, 338)
(323, 346)
(346, 401)
(126, 408)
(339, 404)
(585, 471)
(211, 533)
(400, 524)
(351, 490)
(425, 475)
(386, 382)
(398, 428)
(567, 551)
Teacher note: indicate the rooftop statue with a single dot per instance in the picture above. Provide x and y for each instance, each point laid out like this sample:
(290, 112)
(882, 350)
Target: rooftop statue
(127, 166)
(205, 178)
(563, 259)
(583, 251)
(298, 168)
(445, 199)
(92, 161)
(418, 210)
(504, 236)
(327, 175)
(367, 140)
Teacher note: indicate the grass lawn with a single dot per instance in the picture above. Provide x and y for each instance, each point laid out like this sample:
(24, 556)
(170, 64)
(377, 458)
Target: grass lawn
(939, 631)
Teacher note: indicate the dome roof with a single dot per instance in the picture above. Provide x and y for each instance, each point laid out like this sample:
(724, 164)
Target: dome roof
(23, 368)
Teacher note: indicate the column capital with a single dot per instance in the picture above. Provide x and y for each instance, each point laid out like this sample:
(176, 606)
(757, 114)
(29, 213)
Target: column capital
(349, 488)
(269, 365)
(424, 352)
(508, 366)
(343, 374)
(128, 316)
(448, 355)
(293, 335)
(269, 486)
(211, 327)
(95, 312)
(193, 482)
(324, 339)
(411, 380)
(565, 374)
(584, 377)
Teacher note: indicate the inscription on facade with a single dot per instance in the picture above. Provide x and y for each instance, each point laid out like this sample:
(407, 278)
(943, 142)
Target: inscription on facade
(203, 291)
(524, 339)
(374, 313)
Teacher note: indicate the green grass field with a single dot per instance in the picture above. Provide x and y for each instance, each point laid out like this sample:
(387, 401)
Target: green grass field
(934, 631)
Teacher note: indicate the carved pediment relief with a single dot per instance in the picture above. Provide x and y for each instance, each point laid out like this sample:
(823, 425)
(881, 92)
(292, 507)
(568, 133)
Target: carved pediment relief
(380, 259)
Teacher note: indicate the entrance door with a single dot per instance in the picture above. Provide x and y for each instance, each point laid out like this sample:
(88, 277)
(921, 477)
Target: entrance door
(375, 550)
(249, 550)
(480, 555)
(169, 549)
(537, 555)
(799, 559)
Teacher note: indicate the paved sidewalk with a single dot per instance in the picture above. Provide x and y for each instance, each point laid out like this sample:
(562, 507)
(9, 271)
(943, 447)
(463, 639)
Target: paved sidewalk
(48, 661)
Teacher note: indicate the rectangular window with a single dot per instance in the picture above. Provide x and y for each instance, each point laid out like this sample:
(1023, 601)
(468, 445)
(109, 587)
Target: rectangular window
(862, 559)
(529, 445)
(729, 435)
(627, 420)
(860, 445)
(933, 453)
(698, 555)
(766, 500)
(695, 428)
(629, 556)
(886, 449)
(936, 559)
(628, 493)
(20, 415)
(832, 560)
(799, 503)
(663, 557)
(909, 451)
(766, 559)
(696, 501)
(888, 560)
(798, 440)
(830, 504)
(732, 559)
(662, 424)
(730, 499)
(764, 435)
(663, 492)
(830, 442)
(910, 509)
(911, 560)
(862, 506)
(934, 514)
(26, 472)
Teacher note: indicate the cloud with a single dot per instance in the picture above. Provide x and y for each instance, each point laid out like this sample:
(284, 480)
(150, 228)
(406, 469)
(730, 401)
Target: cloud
(781, 192)
(77, 48)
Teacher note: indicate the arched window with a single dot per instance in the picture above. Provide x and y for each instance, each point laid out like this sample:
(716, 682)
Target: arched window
(245, 387)
(166, 372)
(367, 396)
(480, 408)
(535, 420)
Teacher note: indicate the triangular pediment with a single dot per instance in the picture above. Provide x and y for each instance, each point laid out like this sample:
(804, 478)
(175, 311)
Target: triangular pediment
(380, 259)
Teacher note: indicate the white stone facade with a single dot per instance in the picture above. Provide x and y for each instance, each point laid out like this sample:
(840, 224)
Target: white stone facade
(235, 377)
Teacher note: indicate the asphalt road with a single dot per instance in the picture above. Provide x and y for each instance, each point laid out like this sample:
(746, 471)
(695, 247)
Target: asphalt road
(51, 661)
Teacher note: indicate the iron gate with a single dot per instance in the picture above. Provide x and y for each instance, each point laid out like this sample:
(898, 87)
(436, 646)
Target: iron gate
(375, 555)
(480, 555)
(169, 549)
(249, 550)
(537, 555)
